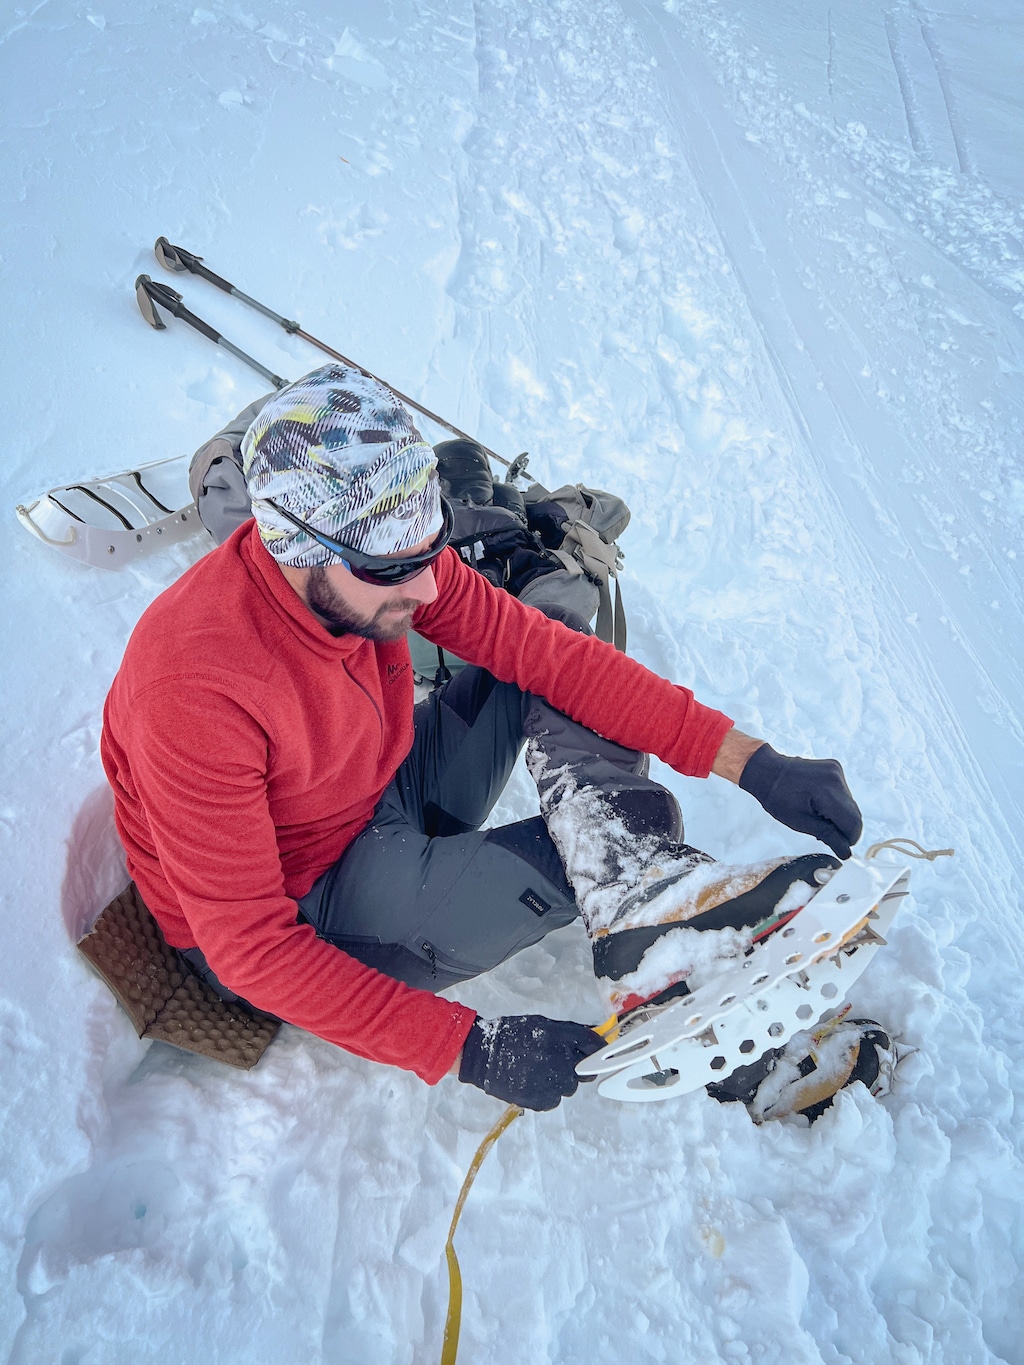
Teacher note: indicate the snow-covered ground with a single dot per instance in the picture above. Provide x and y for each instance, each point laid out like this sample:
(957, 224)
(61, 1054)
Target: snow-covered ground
(757, 265)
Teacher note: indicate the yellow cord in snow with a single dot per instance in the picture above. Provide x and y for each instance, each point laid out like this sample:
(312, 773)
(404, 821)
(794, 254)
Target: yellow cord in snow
(453, 1322)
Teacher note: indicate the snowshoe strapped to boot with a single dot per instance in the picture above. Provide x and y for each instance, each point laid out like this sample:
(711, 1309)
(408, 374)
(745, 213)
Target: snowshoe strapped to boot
(782, 985)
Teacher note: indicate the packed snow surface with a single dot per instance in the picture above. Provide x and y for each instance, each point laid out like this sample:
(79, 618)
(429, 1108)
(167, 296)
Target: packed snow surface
(757, 266)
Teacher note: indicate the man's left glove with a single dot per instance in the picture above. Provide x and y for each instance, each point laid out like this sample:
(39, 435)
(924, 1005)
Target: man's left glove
(526, 1059)
(807, 794)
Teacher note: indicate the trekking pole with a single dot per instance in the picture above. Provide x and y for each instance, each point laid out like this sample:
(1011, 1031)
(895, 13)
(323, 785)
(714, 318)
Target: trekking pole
(148, 293)
(177, 259)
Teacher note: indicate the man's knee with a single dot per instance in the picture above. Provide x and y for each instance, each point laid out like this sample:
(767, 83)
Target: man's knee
(531, 843)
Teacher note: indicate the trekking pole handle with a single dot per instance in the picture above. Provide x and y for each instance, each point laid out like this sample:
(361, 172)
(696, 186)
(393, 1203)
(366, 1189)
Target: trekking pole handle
(185, 316)
(171, 300)
(176, 258)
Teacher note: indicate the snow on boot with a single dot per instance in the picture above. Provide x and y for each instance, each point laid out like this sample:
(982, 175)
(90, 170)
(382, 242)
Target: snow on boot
(729, 1031)
(659, 913)
(805, 1076)
(689, 918)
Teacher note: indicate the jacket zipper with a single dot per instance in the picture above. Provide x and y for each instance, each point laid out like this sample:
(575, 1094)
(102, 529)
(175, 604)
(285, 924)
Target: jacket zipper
(369, 698)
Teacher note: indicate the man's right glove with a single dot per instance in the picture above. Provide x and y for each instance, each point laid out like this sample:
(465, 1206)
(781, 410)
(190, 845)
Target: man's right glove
(526, 1059)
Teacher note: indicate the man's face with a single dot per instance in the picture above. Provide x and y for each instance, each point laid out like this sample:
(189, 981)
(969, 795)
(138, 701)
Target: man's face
(347, 606)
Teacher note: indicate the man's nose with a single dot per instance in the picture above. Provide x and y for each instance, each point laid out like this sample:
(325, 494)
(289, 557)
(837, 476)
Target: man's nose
(422, 588)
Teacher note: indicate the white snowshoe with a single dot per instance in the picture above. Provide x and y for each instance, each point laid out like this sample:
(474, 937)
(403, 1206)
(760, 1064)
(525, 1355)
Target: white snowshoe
(781, 987)
(109, 521)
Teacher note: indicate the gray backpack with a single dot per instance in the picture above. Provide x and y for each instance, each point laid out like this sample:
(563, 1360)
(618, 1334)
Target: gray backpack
(590, 549)
(215, 476)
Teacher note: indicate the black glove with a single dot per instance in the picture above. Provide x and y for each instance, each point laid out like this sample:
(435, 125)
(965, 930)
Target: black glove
(808, 794)
(526, 1059)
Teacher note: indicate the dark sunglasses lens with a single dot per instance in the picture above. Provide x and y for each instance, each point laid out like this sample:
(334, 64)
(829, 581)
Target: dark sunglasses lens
(386, 575)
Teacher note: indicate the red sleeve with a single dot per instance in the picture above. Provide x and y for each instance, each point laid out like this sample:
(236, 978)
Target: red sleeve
(199, 761)
(589, 680)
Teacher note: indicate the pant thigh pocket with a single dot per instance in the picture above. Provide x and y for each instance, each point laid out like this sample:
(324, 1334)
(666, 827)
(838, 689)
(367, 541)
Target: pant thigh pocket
(497, 906)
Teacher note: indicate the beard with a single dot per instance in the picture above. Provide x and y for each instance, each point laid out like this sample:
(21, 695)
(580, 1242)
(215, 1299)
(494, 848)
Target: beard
(390, 622)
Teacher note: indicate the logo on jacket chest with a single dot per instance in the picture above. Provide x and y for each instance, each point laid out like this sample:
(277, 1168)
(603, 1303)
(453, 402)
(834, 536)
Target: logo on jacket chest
(395, 671)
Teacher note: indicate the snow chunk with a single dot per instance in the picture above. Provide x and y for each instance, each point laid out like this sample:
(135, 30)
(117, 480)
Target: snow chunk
(694, 955)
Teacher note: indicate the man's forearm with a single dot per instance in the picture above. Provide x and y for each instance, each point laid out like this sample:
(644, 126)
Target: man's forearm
(733, 752)
(590, 681)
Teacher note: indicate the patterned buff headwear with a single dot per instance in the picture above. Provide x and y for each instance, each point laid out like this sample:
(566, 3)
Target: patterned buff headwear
(339, 451)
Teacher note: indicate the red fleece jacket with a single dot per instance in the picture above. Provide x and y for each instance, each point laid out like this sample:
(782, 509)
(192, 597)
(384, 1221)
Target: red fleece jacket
(247, 747)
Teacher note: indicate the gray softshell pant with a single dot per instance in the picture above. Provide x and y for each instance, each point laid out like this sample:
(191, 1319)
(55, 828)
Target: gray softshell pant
(426, 896)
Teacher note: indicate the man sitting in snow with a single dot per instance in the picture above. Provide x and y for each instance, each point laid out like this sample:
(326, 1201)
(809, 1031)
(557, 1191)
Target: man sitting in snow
(310, 841)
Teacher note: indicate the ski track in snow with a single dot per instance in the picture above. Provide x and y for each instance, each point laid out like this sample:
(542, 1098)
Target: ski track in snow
(759, 269)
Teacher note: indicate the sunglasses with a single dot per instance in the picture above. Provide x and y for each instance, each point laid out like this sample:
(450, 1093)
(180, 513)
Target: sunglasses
(376, 569)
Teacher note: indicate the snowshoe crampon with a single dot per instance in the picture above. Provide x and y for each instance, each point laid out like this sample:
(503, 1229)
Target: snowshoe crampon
(108, 521)
(783, 985)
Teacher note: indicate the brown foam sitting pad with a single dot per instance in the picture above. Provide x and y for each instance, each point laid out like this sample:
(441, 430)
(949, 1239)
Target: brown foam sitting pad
(163, 999)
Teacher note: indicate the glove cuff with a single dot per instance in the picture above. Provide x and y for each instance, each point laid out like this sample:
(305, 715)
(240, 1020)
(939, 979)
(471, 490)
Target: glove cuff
(760, 771)
(475, 1057)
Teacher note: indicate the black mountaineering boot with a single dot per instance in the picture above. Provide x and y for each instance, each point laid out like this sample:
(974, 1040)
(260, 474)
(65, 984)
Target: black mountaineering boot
(806, 1075)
